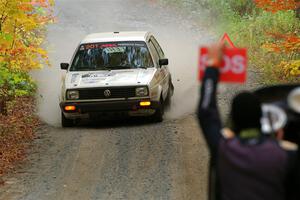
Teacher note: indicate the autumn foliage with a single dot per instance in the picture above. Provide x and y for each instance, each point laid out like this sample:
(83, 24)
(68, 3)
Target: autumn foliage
(22, 26)
(22, 35)
(289, 45)
(17, 130)
(277, 5)
(283, 43)
(270, 29)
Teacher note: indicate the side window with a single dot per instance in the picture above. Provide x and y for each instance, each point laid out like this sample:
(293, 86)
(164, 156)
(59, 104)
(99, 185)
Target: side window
(154, 52)
(158, 48)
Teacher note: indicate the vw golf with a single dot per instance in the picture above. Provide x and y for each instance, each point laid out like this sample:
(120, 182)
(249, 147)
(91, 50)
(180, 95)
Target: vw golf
(116, 72)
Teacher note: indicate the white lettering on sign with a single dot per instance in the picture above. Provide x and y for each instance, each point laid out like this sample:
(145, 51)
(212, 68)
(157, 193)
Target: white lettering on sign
(233, 68)
(235, 64)
(238, 64)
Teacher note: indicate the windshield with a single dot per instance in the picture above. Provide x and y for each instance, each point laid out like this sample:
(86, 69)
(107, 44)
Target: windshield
(111, 56)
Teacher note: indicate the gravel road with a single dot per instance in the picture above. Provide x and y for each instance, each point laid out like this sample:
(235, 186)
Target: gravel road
(136, 160)
(123, 159)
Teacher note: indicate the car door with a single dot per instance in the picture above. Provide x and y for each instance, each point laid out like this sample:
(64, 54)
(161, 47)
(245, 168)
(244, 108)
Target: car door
(163, 70)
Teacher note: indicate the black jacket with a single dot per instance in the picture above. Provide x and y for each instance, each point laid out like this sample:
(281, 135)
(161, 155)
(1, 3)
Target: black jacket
(255, 169)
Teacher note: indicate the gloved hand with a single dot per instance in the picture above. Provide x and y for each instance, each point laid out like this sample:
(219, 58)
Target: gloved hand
(215, 55)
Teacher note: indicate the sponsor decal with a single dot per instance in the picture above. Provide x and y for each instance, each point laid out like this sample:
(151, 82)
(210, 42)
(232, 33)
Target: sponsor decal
(74, 78)
(93, 78)
(115, 50)
(111, 46)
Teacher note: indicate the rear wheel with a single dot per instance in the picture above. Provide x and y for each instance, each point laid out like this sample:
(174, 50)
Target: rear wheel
(159, 112)
(66, 122)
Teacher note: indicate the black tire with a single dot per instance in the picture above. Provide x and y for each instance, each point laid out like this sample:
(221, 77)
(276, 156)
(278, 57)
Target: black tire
(66, 122)
(170, 94)
(158, 116)
(171, 88)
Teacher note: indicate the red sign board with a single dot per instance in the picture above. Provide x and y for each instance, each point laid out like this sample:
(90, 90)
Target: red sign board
(233, 68)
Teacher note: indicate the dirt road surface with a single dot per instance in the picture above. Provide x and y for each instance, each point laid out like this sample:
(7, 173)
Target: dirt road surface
(122, 159)
(147, 161)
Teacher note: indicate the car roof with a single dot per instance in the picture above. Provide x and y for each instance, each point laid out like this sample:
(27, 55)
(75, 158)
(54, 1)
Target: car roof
(116, 37)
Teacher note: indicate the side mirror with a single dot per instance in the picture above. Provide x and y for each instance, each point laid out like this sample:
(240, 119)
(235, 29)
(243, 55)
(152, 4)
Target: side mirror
(64, 66)
(163, 61)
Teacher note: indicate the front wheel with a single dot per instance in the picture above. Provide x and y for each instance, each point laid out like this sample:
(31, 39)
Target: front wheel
(159, 112)
(170, 94)
(66, 122)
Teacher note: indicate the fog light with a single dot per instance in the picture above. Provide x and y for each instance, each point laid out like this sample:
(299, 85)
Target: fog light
(145, 103)
(70, 108)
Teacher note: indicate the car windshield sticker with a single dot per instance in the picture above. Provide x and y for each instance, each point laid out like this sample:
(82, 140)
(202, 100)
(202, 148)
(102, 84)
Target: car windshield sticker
(81, 48)
(132, 44)
(115, 50)
(97, 46)
(110, 46)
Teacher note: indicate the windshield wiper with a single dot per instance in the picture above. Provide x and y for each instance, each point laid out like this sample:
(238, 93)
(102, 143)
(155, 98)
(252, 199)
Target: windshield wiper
(142, 67)
(91, 68)
(121, 67)
(104, 68)
(128, 67)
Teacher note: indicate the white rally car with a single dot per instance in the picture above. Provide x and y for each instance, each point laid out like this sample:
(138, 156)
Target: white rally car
(116, 72)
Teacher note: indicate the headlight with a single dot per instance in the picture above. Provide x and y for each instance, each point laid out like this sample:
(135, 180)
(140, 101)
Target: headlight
(72, 95)
(141, 91)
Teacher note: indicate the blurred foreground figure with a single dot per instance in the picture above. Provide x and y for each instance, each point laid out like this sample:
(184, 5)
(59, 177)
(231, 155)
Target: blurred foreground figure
(245, 164)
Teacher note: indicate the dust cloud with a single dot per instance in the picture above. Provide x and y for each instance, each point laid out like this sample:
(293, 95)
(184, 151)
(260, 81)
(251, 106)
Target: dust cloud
(183, 66)
(49, 79)
(177, 36)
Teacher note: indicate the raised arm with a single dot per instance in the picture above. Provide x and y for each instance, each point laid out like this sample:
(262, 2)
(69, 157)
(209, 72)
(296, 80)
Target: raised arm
(208, 114)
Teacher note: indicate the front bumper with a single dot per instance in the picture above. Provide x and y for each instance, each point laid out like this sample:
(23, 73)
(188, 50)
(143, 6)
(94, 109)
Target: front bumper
(93, 109)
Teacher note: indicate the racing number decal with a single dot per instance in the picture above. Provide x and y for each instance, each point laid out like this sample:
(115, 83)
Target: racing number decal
(97, 46)
(112, 47)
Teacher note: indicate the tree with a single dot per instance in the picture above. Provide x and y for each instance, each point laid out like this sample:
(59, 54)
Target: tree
(22, 33)
(22, 27)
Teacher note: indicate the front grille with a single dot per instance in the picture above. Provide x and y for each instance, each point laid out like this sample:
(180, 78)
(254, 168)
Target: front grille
(98, 93)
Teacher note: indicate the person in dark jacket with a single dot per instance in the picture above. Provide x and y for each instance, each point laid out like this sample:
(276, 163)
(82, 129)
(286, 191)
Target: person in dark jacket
(244, 165)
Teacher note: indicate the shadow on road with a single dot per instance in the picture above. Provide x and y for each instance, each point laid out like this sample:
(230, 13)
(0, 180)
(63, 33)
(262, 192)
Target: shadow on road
(115, 122)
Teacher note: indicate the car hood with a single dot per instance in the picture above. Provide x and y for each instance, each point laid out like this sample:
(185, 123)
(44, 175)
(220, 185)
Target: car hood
(129, 77)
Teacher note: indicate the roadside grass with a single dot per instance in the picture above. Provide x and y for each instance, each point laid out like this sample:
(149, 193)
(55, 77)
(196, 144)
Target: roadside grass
(258, 33)
(267, 35)
(17, 131)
